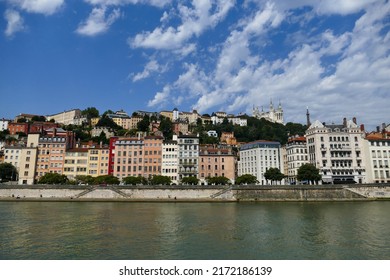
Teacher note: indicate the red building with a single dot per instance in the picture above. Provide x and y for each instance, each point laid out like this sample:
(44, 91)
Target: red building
(14, 128)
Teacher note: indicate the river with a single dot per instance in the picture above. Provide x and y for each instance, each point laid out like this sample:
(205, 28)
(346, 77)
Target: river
(202, 231)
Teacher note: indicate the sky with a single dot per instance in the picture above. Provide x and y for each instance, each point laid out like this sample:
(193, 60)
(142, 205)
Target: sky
(331, 56)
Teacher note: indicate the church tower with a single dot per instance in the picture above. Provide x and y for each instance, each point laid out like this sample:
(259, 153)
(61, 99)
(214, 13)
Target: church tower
(307, 117)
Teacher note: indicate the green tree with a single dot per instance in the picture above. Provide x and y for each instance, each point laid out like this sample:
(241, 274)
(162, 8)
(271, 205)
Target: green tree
(106, 179)
(8, 172)
(105, 121)
(22, 120)
(160, 180)
(219, 180)
(90, 112)
(53, 179)
(143, 125)
(84, 179)
(133, 180)
(190, 181)
(273, 174)
(166, 127)
(308, 172)
(38, 119)
(246, 179)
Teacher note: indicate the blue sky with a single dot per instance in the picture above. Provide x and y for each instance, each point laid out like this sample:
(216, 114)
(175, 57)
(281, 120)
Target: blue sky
(330, 55)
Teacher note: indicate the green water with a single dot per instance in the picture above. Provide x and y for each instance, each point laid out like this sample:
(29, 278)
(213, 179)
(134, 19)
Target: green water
(112, 230)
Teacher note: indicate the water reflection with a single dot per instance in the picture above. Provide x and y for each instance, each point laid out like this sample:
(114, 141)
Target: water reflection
(84, 230)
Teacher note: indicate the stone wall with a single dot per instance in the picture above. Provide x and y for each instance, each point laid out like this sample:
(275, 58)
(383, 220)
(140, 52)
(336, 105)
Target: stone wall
(196, 193)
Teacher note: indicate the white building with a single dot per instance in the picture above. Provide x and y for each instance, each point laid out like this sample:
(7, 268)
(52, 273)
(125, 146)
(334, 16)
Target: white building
(337, 151)
(296, 152)
(377, 152)
(188, 148)
(212, 133)
(217, 118)
(28, 160)
(4, 124)
(66, 117)
(169, 165)
(273, 115)
(256, 157)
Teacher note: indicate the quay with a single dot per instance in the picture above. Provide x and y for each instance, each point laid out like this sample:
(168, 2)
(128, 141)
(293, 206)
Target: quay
(181, 193)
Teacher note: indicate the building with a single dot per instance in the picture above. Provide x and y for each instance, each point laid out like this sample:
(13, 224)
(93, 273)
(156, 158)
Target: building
(4, 124)
(52, 150)
(97, 130)
(98, 159)
(216, 161)
(337, 151)
(169, 165)
(26, 117)
(152, 155)
(296, 156)
(273, 115)
(94, 121)
(228, 138)
(180, 127)
(212, 133)
(218, 117)
(188, 148)
(189, 117)
(167, 114)
(66, 117)
(76, 163)
(256, 157)
(40, 127)
(28, 160)
(15, 128)
(377, 153)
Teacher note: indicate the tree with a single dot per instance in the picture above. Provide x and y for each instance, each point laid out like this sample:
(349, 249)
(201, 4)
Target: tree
(160, 180)
(273, 174)
(166, 127)
(190, 181)
(8, 172)
(219, 180)
(84, 179)
(90, 112)
(105, 121)
(246, 179)
(38, 119)
(22, 120)
(106, 179)
(308, 172)
(53, 179)
(143, 125)
(133, 180)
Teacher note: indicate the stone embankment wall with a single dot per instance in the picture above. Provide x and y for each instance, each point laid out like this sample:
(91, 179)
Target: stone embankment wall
(196, 193)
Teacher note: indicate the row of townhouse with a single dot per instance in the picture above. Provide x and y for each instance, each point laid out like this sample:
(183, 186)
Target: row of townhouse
(343, 153)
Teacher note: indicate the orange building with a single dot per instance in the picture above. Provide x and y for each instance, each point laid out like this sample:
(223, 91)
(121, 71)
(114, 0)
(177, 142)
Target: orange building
(215, 161)
(15, 127)
(152, 157)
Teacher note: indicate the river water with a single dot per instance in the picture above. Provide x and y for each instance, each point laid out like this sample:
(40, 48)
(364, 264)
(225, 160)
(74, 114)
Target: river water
(202, 231)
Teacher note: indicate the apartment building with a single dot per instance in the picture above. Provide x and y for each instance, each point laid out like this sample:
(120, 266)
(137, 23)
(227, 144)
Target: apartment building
(296, 156)
(28, 160)
(15, 128)
(337, 150)
(76, 162)
(188, 147)
(51, 151)
(169, 165)
(256, 157)
(127, 158)
(216, 161)
(152, 155)
(4, 124)
(377, 154)
(98, 160)
(66, 117)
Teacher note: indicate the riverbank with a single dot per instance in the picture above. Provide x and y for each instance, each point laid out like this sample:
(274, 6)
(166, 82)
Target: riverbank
(366, 192)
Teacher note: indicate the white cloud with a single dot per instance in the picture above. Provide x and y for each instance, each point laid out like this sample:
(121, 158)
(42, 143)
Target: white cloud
(151, 67)
(46, 7)
(14, 22)
(157, 3)
(353, 83)
(195, 21)
(98, 22)
(161, 98)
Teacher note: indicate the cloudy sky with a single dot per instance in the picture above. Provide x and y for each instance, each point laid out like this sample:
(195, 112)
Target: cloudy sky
(331, 56)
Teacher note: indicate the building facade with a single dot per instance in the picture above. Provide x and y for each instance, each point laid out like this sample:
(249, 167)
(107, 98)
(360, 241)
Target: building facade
(296, 156)
(256, 157)
(188, 147)
(169, 165)
(377, 153)
(216, 161)
(337, 151)
(273, 115)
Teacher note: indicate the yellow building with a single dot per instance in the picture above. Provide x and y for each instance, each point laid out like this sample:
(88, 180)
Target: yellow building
(94, 121)
(98, 161)
(76, 162)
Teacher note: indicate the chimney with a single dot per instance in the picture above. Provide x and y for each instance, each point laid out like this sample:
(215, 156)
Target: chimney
(362, 128)
(345, 122)
(354, 120)
(378, 129)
